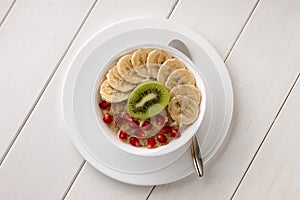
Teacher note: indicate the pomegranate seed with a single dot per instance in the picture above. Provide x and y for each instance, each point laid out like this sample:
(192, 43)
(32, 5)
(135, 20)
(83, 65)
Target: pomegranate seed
(127, 117)
(107, 118)
(134, 141)
(119, 120)
(166, 129)
(140, 133)
(162, 138)
(175, 133)
(160, 120)
(123, 135)
(104, 104)
(147, 125)
(134, 123)
(151, 143)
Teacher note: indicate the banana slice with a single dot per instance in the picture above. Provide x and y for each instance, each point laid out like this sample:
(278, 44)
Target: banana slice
(183, 110)
(126, 70)
(187, 90)
(116, 81)
(180, 77)
(167, 68)
(155, 59)
(139, 62)
(112, 95)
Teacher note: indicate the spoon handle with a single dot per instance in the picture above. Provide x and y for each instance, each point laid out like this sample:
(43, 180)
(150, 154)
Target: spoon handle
(196, 156)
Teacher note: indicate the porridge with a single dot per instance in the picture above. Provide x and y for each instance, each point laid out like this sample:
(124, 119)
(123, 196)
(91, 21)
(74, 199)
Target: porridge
(148, 98)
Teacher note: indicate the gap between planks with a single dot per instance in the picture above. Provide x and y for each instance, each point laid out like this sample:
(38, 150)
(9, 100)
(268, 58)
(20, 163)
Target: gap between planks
(7, 12)
(45, 86)
(242, 30)
(268, 131)
(74, 179)
(148, 196)
(172, 9)
(1, 23)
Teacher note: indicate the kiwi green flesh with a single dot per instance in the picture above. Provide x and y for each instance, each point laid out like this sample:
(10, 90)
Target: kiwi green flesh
(148, 99)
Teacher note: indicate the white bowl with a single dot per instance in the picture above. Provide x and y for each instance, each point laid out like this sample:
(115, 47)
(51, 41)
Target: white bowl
(176, 143)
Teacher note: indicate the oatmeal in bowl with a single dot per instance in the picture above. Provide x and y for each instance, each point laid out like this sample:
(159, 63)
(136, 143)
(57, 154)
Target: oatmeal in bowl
(150, 100)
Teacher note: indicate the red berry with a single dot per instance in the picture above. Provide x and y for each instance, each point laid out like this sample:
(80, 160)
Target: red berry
(134, 123)
(175, 133)
(123, 135)
(139, 133)
(166, 129)
(151, 143)
(104, 104)
(119, 120)
(162, 138)
(127, 117)
(134, 141)
(147, 125)
(160, 120)
(107, 118)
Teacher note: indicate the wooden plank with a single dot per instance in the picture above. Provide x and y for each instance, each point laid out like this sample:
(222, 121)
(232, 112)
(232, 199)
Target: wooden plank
(32, 42)
(43, 162)
(263, 66)
(218, 21)
(4, 8)
(91, 184)
(276, 166)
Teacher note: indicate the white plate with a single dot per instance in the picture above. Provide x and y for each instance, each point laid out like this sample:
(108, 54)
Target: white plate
(81, 122)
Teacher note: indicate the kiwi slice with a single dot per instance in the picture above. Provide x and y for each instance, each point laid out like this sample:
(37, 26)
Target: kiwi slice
(148, 99)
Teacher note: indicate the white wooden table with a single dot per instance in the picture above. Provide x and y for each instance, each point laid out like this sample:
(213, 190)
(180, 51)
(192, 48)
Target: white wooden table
(259, 41)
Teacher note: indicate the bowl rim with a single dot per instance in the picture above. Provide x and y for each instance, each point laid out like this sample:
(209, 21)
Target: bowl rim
(144, 151)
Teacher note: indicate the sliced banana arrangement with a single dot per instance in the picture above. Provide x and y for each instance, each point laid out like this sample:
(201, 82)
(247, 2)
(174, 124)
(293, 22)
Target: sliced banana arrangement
(126, 70)
(180, 77)
(187, 90)
(155, 59)
(117, 82)
(112, 95)
(167, 68)
(148, 96)
(139, 62)
(183, 110)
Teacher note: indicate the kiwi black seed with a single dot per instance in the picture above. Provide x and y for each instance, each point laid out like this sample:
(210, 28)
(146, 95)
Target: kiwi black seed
(148, 99)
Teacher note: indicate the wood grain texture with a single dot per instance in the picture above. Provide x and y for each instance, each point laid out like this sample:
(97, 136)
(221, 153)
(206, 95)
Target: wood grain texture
(4, 8)
(32, 41)
(220, 22)
(263, 66)
(275, 172)
(43, 162)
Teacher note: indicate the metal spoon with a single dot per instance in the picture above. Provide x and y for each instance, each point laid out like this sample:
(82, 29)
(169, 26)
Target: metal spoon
(196, 155)
(195, 149)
